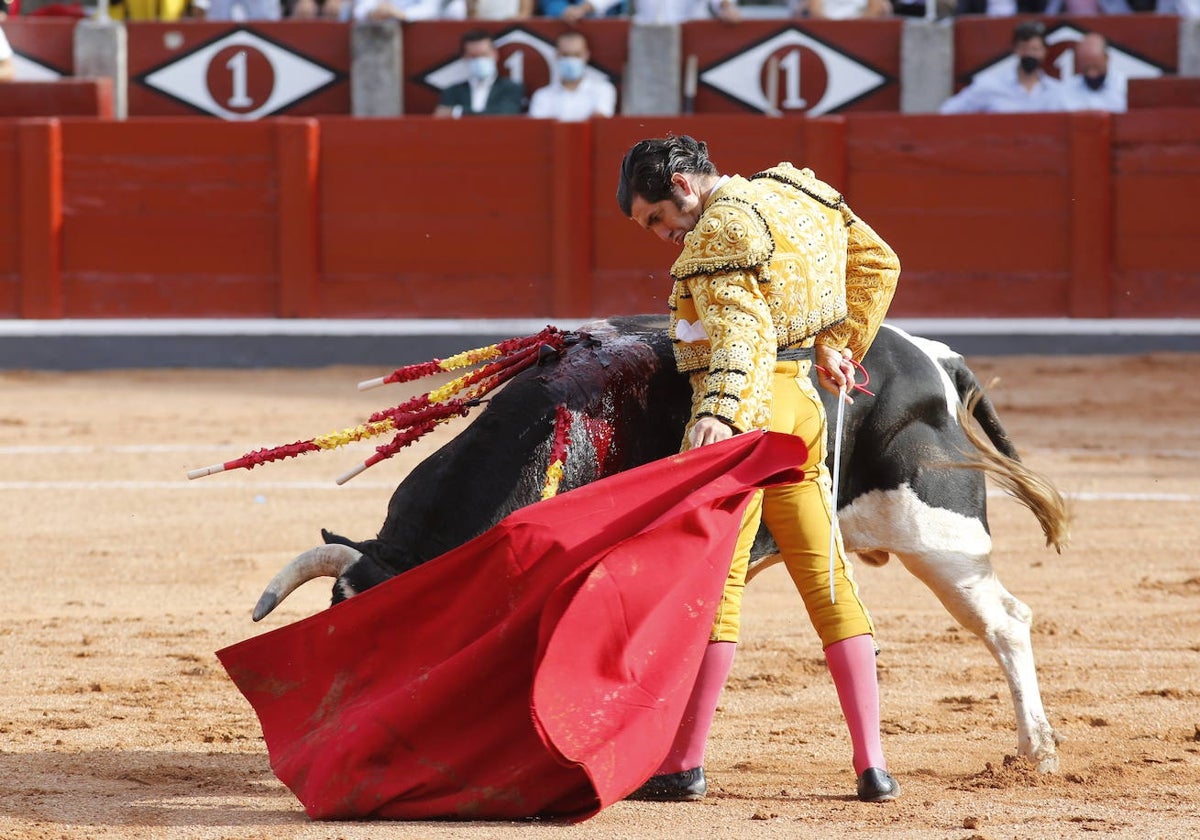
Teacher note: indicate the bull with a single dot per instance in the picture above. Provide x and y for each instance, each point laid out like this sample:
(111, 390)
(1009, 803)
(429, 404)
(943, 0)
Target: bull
(912, 480)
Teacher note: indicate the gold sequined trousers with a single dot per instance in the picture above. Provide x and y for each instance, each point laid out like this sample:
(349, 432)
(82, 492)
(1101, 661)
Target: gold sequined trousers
(799, 518)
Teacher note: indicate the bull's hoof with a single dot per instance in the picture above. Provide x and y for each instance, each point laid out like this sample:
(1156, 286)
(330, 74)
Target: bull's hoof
(876, 785)
(1047, 763)
(1042, 752)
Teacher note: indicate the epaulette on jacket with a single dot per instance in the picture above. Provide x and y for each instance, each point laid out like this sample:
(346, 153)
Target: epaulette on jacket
(806, 182)
(732, 235)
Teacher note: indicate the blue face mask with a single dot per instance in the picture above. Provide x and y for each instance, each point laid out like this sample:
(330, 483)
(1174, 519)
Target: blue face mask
(571, 67)
(481, 67)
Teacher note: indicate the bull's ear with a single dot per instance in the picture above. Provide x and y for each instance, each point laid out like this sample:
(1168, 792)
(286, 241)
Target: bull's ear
(331, 538)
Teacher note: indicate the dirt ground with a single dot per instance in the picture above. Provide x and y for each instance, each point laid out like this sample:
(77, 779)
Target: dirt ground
(123, 578)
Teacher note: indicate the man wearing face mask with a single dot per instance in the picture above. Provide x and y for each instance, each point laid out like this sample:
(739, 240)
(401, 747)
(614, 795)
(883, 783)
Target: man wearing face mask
(485, 91)
(1095, 86)
(575, 95)
(1026, 90)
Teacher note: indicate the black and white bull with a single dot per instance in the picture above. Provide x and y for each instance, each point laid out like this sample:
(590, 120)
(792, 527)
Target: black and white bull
(912, 480)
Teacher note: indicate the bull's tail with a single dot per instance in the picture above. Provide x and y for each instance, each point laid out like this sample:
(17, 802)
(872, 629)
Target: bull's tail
(996, 456)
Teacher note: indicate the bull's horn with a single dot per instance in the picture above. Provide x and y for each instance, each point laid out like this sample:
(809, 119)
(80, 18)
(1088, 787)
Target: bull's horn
(322, 561)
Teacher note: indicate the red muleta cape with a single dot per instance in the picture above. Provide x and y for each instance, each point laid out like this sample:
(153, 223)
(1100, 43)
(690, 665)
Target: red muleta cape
(540, 669)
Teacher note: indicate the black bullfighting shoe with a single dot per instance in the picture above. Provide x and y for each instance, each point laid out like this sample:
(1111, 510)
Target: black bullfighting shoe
(685, 786)
(875, 785)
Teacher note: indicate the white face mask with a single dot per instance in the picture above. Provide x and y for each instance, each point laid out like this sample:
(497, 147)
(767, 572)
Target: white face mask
(481, 67)
(571, 67)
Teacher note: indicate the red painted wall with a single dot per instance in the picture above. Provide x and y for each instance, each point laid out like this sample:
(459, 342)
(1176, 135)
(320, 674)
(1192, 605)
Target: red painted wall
(168, 218)
(48, 41)
(58, 98)
(1156, 178)
(435, 217)
(10, 235)
(977, 207)
(1079, 215)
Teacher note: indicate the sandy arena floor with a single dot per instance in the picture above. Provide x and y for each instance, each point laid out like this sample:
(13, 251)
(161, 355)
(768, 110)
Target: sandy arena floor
(123, 578)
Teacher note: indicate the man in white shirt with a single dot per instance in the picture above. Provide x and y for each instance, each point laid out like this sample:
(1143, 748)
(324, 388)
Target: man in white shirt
(1095, 87)
(402, 10)
(681, 11)
(7, 66)
(1027, 90)
(575, 95)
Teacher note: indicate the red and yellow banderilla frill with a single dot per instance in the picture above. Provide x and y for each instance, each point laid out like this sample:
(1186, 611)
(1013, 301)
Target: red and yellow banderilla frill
(415, 418)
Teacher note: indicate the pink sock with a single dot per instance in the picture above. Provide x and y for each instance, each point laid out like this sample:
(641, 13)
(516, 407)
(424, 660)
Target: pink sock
(687, 751)
(852, 666)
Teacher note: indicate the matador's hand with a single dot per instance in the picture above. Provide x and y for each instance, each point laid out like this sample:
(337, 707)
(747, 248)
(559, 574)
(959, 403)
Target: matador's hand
(709, 430)
(835, 370)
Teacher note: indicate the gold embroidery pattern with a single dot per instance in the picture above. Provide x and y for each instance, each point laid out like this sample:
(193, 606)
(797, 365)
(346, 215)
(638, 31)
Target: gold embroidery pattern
(774, 262)
(875, 269)
(730, 235)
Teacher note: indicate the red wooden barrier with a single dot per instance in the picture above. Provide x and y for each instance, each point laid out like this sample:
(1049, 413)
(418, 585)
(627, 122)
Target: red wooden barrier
(39, 185)
(298, 153)
(977, 207)
(10, 209)
(170, 218)
(1156, 178)
(1089, 288)
(60, 98)
(443, 218)
(1040, 215)
(1166, 92)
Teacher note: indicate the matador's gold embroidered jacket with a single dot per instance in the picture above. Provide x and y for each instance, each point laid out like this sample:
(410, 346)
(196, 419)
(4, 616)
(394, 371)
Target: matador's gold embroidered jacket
(775, 261)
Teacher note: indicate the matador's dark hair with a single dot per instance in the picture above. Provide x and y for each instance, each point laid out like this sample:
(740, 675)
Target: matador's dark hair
(647, 168)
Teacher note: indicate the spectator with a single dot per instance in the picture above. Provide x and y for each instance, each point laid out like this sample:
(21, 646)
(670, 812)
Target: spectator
(488, 9)
(681, 11)
(575, 10)
(916, 8)
(1008, 8)
(1094, 86)
(1004, 92)
(7, 67)
(575, 95)
(401, 10)
(485, 91)
(315, 10)
(239, 10)
(166, 10)
(499, 9)
(1184, 8)
(848, 9)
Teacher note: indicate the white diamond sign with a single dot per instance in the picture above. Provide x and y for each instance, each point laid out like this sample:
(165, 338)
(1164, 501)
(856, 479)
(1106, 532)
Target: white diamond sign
(241, 76)
(741, 77)
(26, 69)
